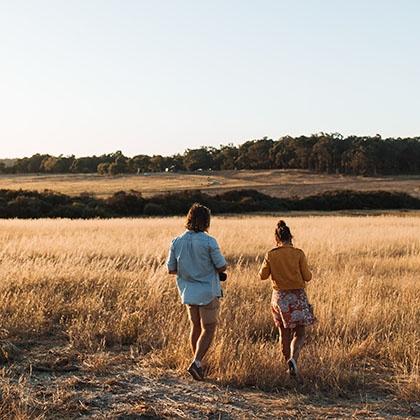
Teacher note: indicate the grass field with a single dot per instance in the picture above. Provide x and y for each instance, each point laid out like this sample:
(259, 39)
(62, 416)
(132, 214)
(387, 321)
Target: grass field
(273, 182)
(91, 324)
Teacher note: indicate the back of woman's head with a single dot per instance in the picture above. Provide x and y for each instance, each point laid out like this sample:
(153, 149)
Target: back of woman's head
(283, 233)
(198, 218)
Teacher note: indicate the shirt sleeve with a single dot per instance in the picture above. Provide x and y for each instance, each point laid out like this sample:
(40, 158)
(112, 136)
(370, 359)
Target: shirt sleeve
(215, 254)
(304, 269)
(171, 262)
(265, 271)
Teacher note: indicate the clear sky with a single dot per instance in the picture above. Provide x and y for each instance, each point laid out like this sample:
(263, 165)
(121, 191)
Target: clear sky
(158, 76)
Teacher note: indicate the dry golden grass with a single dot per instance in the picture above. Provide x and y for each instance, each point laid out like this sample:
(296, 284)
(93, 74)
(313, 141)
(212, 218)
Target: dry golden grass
(280, 183)
(102, 284)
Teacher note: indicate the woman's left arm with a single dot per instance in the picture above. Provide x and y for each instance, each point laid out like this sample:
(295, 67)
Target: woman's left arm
(216, 256)
(304, 269)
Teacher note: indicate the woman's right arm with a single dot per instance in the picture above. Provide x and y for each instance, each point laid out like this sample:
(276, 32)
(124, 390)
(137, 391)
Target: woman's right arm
(171, 262)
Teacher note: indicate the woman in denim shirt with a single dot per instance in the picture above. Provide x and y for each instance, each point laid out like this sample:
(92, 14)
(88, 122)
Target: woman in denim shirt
(195, 258)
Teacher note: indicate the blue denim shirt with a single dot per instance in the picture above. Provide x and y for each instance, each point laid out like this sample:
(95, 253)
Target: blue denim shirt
(195, 257)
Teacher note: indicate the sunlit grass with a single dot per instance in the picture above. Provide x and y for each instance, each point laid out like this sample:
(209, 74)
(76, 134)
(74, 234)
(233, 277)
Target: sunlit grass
(103, 283)
(281, 183)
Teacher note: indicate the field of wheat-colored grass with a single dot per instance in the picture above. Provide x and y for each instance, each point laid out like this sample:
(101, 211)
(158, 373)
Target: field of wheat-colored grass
(279, 183)
(103, 284)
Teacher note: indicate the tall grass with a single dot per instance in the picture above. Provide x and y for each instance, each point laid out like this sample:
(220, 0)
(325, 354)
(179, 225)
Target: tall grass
(103, 283)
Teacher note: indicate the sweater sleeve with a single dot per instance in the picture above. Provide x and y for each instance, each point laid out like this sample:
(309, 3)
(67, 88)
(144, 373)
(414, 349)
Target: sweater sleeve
(265, 271)
(304, 269)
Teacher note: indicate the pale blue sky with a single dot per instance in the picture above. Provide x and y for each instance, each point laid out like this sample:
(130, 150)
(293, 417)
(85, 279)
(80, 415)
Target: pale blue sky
(94, 76)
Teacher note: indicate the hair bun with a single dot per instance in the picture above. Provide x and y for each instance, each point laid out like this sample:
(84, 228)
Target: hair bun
(281, 224)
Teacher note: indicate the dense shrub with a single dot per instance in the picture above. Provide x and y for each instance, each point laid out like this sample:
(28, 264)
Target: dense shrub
(180, 202)
(357, 200)
(28, 207)
(54, 198)
(32, 204)
(153, 209)
(244, 201)
(70, 211)
(237, 195)
(4, 211)
(127, 204)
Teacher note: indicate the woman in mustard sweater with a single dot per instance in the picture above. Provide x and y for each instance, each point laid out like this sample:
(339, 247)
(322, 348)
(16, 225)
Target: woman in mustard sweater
(291, 310)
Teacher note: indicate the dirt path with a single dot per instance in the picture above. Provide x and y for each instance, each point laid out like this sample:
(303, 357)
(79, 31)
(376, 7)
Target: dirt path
(54, 381)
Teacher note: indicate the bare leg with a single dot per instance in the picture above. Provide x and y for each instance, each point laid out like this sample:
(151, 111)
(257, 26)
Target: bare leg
(285, 341)
(195, 325)
(194, 336)
(205, 340)
(297, 342)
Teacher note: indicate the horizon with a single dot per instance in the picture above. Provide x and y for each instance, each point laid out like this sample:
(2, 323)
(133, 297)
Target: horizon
(157, 79)
(181, 153)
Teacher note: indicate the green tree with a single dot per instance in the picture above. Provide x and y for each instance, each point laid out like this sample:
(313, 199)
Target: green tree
(139, 163)
(157, 163)
(225, 157)
(198, 159)
(103, 168)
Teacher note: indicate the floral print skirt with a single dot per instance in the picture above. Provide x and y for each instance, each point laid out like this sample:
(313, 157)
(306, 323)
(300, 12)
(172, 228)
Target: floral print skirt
(291, 308)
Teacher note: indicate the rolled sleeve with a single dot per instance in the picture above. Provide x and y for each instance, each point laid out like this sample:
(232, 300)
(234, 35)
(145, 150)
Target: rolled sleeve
(216, 255)
(171, 262)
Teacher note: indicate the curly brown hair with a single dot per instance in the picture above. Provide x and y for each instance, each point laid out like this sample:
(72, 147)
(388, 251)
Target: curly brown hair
(198, 218)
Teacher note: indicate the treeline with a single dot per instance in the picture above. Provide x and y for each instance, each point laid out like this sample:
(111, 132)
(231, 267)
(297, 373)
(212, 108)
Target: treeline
(330, 153)
(33, 204)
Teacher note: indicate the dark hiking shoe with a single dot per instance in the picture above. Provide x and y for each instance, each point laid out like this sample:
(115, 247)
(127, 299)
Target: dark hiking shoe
(196, 372)
(293, 369)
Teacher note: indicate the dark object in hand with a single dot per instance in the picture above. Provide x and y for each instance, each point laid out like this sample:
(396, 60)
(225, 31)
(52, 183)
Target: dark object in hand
(222, 276)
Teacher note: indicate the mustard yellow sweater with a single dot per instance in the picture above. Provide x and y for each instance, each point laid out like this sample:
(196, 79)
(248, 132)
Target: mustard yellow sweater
(287, 266)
